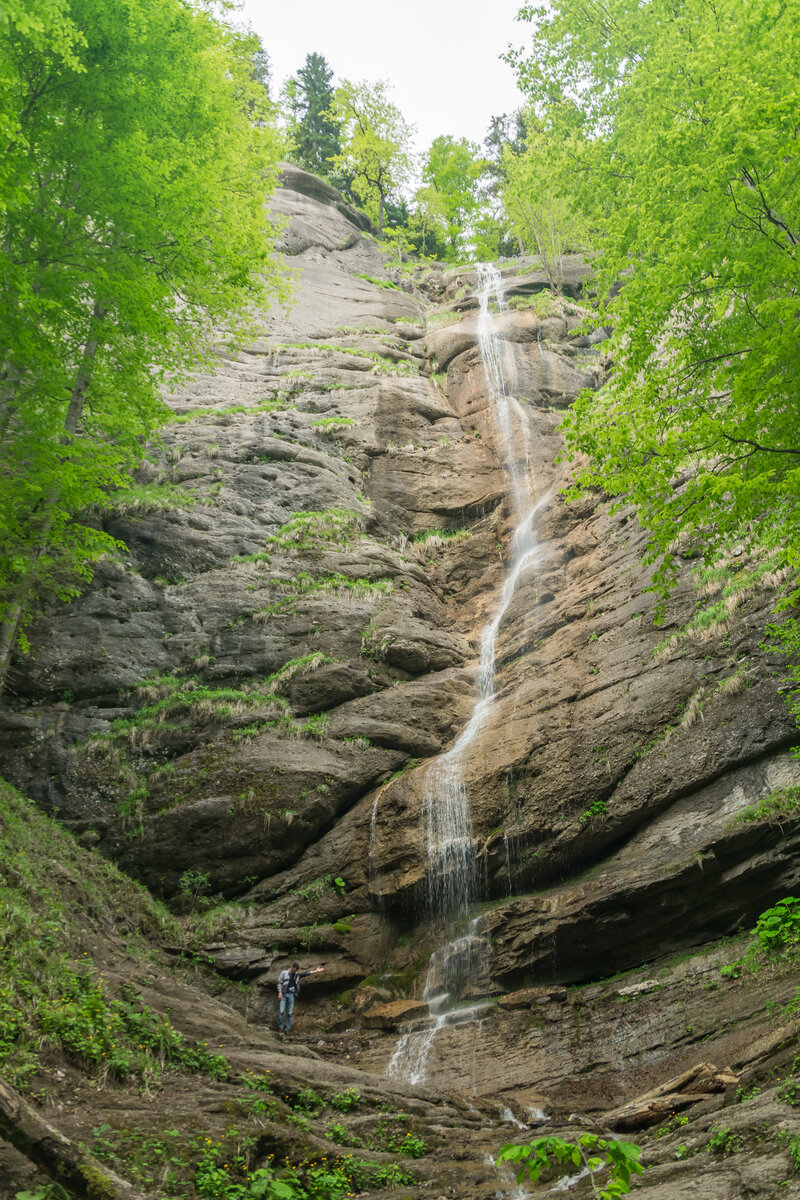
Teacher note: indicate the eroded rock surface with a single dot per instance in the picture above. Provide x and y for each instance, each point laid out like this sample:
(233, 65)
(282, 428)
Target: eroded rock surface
(247, 703)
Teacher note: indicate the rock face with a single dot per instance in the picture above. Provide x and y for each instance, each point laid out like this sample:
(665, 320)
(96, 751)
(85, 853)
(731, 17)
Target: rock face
(248, 701)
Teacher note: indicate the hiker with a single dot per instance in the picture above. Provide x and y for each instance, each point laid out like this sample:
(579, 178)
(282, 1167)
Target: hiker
(288, 988)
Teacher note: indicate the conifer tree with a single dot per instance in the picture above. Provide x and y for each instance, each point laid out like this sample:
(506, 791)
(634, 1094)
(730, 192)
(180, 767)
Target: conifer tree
(316, 133)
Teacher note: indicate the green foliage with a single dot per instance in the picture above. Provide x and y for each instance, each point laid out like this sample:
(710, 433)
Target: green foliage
(150, 497)
(376, 144)
(331, 423)
(693, 189)
(194, 884)
(138, 149)
(312, 129)
(778, 928)
(724, 1141)
(344, 1101)
(791, 1141)
(279, 404)
(621, 1160)
(317, 530)
(48, 921)
(381, 283)
(598, 808)
(449, 198)
(544, 222)
(783, 804)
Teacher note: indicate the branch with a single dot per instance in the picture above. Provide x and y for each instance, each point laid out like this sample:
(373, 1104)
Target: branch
(48, 1148)
(757, 445)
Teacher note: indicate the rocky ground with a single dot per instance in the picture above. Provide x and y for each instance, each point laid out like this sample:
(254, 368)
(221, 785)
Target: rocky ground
(244, 706)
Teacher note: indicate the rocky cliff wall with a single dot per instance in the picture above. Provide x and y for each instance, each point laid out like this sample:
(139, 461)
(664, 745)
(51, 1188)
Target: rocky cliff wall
(249, 699)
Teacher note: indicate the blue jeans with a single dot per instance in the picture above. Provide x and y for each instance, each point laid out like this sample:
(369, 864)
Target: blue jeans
(286, 1005)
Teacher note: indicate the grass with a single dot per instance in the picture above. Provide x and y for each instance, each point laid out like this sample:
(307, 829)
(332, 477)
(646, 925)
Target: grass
(432, 539)
(150, 497)
(332, 423)
(778, 806)
(382, 283)
(308, 585)
(279, 404)
(53, 998)
(732, 582)
(317, 529)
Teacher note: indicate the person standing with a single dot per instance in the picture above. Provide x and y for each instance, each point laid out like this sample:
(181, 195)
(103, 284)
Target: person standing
(288, 989)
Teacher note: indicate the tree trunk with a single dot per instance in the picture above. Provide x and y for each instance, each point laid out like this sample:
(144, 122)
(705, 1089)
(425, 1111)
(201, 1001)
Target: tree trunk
(10, 627)
(49, 1149)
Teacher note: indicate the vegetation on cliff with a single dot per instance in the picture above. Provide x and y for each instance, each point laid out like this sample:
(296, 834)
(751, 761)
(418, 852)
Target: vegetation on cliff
(139, 148)
(672, 130)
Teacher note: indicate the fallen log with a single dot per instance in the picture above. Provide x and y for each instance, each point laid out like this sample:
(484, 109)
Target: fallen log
(696, 1084)
(61, 1159)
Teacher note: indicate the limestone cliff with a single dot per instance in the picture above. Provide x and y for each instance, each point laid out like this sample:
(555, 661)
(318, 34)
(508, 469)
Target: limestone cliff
(254, 693)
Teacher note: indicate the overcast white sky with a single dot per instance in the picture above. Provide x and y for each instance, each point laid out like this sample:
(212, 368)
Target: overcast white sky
(440, 55)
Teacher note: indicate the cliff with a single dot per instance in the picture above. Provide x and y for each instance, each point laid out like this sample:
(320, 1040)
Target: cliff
(247, 703)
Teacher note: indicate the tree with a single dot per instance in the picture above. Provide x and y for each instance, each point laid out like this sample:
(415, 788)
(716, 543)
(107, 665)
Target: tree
(451, 170)
(543, 221)
(376, 143)
(675, 128)
(317, 135)
(139, 149)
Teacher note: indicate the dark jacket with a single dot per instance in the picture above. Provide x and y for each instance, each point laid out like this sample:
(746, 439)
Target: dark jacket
(288, 982)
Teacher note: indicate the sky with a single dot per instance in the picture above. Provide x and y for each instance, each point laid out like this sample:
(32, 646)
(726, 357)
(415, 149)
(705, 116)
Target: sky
(440, 55)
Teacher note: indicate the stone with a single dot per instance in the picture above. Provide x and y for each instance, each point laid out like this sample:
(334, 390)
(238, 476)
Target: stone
(393, 1013)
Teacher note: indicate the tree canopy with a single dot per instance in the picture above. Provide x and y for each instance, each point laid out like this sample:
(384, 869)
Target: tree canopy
(313, 130)
(673, 126)
(451, 171)
(376, 144)
(139, 149)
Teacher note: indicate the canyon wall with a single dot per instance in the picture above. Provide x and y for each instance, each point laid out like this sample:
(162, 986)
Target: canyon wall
(247, 701)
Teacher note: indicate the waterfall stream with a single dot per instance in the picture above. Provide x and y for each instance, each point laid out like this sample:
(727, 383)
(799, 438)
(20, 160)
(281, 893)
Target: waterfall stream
(453, 883)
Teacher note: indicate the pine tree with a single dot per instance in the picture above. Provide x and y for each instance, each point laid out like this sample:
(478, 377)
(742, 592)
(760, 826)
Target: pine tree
(316, 134)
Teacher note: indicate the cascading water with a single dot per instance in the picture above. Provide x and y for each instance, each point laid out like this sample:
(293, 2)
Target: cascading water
(453, 883)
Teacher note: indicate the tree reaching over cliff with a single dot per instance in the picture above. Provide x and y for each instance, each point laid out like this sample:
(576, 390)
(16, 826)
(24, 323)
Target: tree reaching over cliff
(451, 171)
(314, 131)
(376, 143)
(673, 126)
(139, 148)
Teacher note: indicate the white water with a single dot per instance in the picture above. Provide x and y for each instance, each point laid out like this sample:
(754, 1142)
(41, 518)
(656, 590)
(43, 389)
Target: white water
(452, 865)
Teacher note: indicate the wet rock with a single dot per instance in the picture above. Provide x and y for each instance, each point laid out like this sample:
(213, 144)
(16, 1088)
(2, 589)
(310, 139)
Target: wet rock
(393, 1013)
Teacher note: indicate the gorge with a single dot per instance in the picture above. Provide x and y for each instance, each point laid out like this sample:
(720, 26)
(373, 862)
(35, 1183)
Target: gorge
(365, 688)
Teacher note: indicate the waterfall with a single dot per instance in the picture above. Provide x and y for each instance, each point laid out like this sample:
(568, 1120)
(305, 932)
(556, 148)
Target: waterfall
(453, 883)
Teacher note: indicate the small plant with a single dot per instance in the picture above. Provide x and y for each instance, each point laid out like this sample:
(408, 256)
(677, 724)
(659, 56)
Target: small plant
(778, 928)
(344, 1101)
(789, 1092)
(413, 1146)
(724, 1141)
(339, 1133)
(194, 884)
(307, 1101)
(597, 809)
(791, 1141)
(621, 1160)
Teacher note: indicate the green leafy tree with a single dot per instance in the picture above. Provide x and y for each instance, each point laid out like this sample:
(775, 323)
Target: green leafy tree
(543, 221)
(139, 148)
(450, 172)
(376, 144)
(676, 130)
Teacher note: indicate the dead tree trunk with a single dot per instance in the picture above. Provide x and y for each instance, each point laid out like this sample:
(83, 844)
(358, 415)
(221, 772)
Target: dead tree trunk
(60, 1158)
